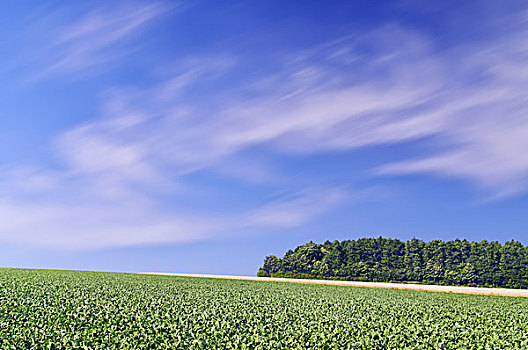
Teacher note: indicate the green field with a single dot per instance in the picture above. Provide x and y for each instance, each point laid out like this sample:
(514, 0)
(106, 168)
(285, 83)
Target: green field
(42, 309)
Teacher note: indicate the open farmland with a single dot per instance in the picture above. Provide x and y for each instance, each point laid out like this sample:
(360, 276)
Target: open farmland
(42, 309)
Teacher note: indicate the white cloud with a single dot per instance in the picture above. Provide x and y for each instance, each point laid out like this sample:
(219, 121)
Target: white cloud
(306, 106)
(96, 37)
(386, 87)
(297, 208)
(484, 125)
(83, 226)
(393, 94)
(77, 211)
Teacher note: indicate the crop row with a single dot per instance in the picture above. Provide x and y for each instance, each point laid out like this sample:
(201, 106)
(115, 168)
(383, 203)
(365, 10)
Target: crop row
(83, 310)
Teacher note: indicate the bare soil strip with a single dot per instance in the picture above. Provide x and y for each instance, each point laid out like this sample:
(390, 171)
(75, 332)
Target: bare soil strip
(406, 286)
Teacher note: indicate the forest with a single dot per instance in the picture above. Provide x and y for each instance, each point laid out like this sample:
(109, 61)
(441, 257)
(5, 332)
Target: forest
(456, 262)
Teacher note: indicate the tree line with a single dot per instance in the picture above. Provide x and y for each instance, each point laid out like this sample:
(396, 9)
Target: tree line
(457, 262)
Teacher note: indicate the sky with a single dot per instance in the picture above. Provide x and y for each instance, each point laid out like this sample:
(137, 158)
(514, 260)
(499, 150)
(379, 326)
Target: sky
(201, 136)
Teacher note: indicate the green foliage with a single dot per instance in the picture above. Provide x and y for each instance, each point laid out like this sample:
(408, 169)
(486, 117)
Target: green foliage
(263, 273)
(271, 264)
(82, 310)
(457, 262)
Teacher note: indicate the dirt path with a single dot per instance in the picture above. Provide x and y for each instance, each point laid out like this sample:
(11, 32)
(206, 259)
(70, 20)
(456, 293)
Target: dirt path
(422, 287)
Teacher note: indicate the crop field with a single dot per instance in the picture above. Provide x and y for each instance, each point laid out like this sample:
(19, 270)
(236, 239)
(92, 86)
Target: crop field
(42, 309)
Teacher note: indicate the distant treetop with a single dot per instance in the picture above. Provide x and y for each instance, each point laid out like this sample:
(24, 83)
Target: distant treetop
(457, 262)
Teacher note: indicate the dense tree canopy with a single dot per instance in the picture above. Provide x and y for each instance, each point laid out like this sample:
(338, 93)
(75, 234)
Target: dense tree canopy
(457, 262)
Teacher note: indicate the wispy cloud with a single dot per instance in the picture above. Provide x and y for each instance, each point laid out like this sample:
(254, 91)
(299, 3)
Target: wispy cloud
(306, 106)
(92, 39)
(95, 226)
(384, 87)
(470, 98)
(484, 124)
(299, 207)
(73, 211)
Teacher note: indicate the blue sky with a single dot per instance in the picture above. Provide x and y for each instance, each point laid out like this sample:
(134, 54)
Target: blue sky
(201, 136)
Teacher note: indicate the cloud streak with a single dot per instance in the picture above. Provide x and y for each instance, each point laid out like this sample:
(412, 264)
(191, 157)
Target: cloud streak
(484, 126)
(94, 39)
(308, 105)
(121, 176)
(297, 208)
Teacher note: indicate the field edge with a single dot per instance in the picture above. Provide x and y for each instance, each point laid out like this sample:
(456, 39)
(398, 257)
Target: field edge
(505, 292)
